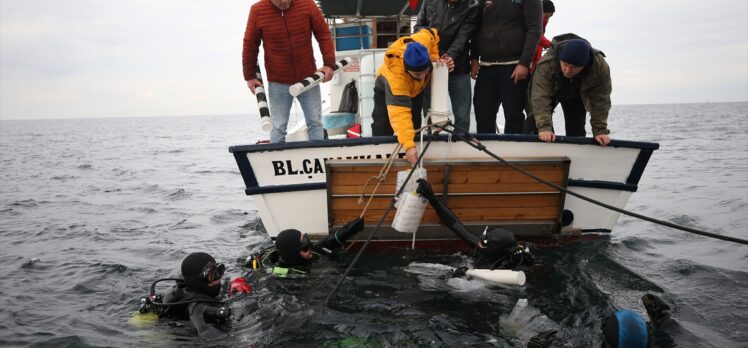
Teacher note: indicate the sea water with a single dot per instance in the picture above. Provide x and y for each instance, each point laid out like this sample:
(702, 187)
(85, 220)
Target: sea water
(93, 210)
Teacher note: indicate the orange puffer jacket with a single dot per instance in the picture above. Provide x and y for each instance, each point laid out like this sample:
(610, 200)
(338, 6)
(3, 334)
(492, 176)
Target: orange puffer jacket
(286, 38)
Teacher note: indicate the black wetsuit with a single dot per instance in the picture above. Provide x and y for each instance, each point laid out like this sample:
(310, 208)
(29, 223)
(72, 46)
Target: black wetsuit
(499, 250)
(194, 307)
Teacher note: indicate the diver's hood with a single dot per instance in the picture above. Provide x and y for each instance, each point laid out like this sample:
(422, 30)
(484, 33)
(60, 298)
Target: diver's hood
(192, 269)
(288, 244)
(498, 242)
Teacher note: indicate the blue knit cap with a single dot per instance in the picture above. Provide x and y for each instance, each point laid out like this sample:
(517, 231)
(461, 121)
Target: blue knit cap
(575, 52)
(416, 57)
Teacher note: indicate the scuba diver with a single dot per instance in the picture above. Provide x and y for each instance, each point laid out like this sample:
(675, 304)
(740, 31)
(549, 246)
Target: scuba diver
(494, 249)
(627, 329)
(195, 296)
(295, 254)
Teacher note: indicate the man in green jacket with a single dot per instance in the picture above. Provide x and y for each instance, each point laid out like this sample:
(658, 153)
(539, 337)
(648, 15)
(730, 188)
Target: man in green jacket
(575, 75)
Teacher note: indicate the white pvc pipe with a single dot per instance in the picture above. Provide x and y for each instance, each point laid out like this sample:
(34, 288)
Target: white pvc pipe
(439, 111)
(300, 87)
(498, 276)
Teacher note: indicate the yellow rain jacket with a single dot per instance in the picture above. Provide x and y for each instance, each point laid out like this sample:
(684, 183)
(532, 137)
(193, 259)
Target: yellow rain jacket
(400, 87)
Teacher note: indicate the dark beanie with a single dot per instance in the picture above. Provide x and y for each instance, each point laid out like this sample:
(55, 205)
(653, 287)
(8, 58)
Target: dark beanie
(575, 52)
(193, 264)
(288, 245)
(626, 328)
(548, 6)
(416, 57)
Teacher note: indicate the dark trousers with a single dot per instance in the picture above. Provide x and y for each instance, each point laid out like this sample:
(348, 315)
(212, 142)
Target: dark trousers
(493, 88)
(381, 125)
(574, 116)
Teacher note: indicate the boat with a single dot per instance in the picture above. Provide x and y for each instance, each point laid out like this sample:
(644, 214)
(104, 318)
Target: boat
(318, 186)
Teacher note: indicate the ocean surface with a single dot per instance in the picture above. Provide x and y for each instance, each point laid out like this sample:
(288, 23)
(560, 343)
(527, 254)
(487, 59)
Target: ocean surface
(92, 211)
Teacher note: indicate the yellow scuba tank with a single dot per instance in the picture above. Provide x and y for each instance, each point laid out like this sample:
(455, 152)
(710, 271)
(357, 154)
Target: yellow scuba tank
(143, 320)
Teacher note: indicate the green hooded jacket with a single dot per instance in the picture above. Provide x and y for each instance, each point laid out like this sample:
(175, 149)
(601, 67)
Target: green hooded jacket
(595, 88)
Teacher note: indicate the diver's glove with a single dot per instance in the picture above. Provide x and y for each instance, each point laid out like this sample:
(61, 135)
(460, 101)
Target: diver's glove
(425, 190)
(459, 272)
(349, 230)
(238, 284)
(657, 309)
(542, 340)
(338, 238)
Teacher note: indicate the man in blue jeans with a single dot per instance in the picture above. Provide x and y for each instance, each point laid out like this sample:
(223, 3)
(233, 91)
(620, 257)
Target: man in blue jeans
(285, 29)
(280, 102)
(455, 21)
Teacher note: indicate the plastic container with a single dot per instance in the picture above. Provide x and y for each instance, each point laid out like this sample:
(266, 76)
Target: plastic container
(338, 120)
(412, 185)
(409, 213)
(352, 36)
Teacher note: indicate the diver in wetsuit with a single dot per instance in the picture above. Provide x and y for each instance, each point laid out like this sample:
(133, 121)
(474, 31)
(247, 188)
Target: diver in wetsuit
(294, 253)
(196, 296)
(494, 249)
(627, 329)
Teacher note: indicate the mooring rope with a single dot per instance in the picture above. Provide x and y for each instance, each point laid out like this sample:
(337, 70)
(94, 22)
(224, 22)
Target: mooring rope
(475, 143)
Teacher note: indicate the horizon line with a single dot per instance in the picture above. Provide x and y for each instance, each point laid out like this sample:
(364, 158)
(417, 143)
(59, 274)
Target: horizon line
(44, 118)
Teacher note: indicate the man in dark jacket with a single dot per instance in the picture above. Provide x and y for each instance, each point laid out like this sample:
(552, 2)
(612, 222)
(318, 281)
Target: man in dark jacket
(504, 46)
(576, 75)
(285, 29)
(456, 22)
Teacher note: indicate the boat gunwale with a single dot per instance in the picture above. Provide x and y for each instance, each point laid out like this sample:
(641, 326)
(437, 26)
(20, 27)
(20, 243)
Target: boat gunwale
(376, 140)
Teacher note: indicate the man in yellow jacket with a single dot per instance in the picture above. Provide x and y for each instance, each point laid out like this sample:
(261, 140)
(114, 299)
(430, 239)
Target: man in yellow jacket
(399, 85)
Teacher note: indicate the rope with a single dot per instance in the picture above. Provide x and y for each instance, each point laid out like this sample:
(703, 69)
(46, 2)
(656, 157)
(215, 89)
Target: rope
(470, 140)
(379, 224)
(380, 178)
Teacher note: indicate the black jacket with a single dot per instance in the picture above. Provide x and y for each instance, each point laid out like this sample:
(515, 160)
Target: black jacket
(455, 24)
(510, 30)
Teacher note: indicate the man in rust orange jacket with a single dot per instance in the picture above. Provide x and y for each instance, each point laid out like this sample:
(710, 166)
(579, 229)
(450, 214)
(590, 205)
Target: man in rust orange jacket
(285, 28)
(399, 85)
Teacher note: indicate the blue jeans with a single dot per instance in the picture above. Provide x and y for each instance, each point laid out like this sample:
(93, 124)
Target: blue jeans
(460, 95)
(280, 108)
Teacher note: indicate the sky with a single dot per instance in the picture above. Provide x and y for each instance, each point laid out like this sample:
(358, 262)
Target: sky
(105, 58)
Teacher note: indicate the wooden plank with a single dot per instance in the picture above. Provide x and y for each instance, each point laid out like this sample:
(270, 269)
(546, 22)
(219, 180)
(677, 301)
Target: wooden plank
(457, 202)
(453, 188)
(465, 215)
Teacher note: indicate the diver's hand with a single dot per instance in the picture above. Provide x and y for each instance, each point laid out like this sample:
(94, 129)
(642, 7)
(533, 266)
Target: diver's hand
(657, 309)
(424, 188)
(353, 227)
(541, 340)
(357, 225)
(238, 284)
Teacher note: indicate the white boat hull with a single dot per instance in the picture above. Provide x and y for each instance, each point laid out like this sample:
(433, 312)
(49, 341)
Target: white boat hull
(289, 188)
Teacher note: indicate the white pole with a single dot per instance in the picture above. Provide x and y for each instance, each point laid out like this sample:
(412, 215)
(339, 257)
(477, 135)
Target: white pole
(300, 87)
